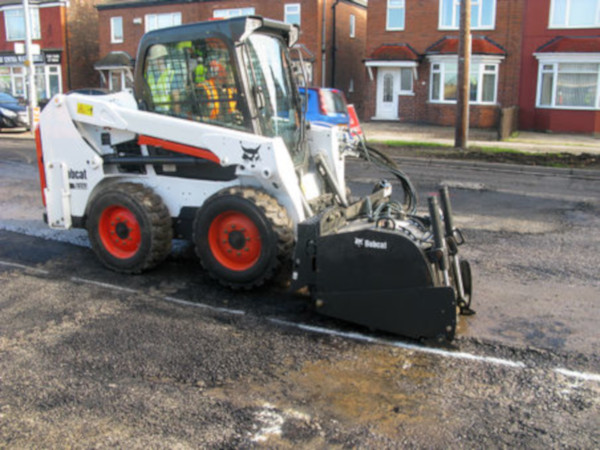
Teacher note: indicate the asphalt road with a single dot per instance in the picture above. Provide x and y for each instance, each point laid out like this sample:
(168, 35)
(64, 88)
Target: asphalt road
(90, 358)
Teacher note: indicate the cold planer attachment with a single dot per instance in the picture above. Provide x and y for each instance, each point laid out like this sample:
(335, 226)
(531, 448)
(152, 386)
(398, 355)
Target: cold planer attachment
(397, 279)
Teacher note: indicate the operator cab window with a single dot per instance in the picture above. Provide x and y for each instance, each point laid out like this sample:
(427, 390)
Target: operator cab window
(195, 80)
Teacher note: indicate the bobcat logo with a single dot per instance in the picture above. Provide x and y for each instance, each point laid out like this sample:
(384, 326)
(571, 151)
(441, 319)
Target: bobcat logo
(250, 154)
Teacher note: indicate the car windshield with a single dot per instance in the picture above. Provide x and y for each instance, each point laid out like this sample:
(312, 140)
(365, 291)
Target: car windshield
(7, 98)
(333, 102)
(276, 100)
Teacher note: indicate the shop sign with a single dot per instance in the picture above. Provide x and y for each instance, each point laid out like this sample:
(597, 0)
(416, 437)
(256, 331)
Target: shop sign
(6, 60)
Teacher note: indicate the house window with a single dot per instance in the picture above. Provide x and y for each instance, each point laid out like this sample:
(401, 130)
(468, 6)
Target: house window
(569, 85)
(406, 81)
(483, 14)
(236, 12)
(291, 13)
(116, 30)
(156, 21)
(483, 82)
(15, 24)
(352, 25)
(395, 14)
(575, 14)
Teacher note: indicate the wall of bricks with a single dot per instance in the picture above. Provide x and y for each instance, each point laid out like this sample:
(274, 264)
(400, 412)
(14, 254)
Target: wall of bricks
(349, 54)
(421, 31)
(82, 19)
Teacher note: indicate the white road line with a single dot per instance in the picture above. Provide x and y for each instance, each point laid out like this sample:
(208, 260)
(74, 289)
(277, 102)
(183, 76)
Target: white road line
(581, 375)
(237, 312)
(406, 346)
(105, 285)
(21, 266)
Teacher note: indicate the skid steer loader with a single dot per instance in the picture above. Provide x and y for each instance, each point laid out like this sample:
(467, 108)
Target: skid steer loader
(212, 147)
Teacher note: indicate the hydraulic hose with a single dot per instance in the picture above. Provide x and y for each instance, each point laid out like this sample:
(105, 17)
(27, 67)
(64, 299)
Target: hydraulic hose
(383, 161)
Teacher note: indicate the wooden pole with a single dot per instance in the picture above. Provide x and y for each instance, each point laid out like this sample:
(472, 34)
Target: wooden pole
(461, 136)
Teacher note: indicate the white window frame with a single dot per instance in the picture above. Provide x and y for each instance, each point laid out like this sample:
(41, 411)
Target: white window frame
(566, 25)
(480, 61)
(151, 20)
(387, 18)
(233, 12)
(292, 9)
(455, 25)
(36, 33)
(115, 26)
(555, 59)
(352, 26)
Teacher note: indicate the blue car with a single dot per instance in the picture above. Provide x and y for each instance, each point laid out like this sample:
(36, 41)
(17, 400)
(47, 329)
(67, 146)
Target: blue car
(12, 113)
(325, 105)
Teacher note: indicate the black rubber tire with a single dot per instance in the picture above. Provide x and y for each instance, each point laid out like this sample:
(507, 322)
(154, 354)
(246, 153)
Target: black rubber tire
(155, 231)
(272, 224)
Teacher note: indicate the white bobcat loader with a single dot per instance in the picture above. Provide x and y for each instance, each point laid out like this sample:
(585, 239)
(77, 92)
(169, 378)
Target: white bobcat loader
(212, 147)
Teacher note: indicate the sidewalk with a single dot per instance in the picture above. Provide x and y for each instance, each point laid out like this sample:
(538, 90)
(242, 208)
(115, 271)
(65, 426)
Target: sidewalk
(526, 141)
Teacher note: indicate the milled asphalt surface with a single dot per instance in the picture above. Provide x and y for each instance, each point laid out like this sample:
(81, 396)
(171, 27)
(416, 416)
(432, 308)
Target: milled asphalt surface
(95, 359)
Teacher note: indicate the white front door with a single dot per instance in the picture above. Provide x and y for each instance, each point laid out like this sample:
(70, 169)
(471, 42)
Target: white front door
(388, 84)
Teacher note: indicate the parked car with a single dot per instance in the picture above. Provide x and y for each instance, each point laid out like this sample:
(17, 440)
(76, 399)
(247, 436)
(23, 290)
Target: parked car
(329, 106)
(12, 113)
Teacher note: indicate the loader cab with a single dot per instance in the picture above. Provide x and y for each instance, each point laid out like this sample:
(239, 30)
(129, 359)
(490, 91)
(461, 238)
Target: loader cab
(232, 73)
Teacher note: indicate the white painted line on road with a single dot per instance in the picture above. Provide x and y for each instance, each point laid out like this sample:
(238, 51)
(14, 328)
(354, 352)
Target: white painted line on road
(237, 312)
(463, 185)
(21, 266)
(580, 375)
(105, 285)
(406, 346)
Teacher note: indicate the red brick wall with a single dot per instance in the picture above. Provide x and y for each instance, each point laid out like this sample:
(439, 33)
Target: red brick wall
(51, 28)
(350, 53)
(421, 31)
(83, 44)
(536, 34)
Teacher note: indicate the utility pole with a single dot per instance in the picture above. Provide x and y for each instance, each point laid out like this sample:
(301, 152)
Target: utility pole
(464, 70)
(30, 67)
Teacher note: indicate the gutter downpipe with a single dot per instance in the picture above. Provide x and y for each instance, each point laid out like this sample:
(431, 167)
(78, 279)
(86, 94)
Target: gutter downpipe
(324, 44)
(333, 44)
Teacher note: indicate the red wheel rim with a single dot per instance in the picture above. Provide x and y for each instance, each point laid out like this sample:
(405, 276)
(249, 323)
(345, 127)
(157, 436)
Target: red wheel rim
(234, 240)
(120, 232)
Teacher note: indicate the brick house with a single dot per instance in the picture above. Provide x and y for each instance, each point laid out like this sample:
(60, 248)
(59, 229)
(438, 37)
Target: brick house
(61, 32)
(412, 61)
(122, 24)
(560, 75)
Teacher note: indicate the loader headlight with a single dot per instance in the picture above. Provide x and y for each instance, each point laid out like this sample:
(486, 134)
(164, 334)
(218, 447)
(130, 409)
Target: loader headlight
(8, 113)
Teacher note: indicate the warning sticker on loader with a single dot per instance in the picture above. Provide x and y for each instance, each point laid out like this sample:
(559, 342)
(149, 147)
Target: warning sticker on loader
(86, 110)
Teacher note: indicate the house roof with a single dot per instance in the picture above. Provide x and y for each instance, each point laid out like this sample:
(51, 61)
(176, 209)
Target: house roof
(110, 4)
(572, 44)
(479, 46)
(20, 2)
(394, 52)
(114, 59)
